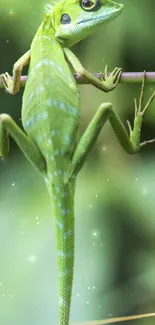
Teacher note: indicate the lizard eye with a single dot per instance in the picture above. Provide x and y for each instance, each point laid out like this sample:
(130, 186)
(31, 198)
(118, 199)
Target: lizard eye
(88, 4)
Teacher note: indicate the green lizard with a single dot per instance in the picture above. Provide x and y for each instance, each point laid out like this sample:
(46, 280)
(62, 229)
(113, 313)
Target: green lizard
(50, 117)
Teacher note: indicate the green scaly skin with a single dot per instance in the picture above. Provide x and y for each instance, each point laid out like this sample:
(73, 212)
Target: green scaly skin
(50, 117)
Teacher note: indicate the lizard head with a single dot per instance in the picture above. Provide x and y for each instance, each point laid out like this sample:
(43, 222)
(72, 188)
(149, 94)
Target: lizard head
(73, 20)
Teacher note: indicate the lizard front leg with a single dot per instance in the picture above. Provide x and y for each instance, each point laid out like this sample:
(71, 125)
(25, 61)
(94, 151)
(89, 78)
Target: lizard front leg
(8, 126)
(12, 85)
(130, 143)
(29, 148)
(108, 83)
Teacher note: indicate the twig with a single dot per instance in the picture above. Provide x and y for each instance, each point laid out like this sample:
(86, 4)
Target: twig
(115, 320)
(126, 77)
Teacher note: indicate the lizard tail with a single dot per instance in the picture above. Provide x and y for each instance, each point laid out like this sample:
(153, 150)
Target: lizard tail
(63, 213)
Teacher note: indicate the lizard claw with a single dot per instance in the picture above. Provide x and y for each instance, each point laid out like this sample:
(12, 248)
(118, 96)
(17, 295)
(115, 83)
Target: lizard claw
(111, 80)
(139, 110)
(7, 82)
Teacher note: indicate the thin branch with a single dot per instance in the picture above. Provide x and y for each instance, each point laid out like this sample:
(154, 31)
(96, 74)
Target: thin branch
(126, 77)
(115, 320)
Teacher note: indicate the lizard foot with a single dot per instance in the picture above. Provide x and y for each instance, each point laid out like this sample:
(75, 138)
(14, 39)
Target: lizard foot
(140, 112)
(111, 80)
(7, 83)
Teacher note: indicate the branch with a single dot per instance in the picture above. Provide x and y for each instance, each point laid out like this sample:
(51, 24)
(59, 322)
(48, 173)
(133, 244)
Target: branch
(114, 320)
(126, 77)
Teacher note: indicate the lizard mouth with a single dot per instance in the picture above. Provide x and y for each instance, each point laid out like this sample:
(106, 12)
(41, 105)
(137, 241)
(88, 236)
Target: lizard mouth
(100, 17)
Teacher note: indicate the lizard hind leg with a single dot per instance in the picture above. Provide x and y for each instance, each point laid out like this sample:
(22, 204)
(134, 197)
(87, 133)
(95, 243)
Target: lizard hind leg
(4, 142)
(130, 143)
(26, 144)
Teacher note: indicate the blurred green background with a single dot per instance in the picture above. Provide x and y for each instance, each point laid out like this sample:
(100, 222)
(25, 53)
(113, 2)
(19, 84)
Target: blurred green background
(115, 197)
